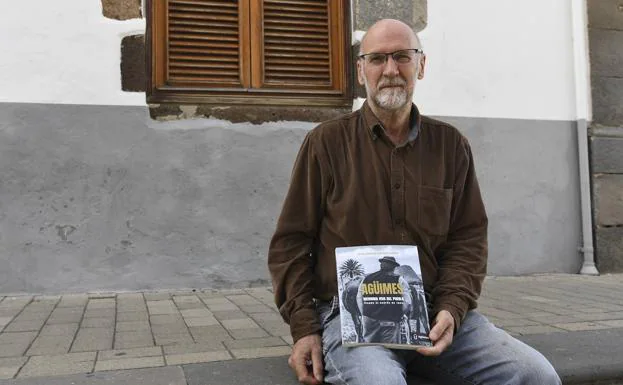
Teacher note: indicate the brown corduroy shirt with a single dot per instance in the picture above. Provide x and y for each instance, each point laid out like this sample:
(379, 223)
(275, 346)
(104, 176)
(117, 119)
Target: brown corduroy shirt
(352, 186)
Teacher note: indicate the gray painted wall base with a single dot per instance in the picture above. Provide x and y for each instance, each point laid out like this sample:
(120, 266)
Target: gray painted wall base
(104, 198)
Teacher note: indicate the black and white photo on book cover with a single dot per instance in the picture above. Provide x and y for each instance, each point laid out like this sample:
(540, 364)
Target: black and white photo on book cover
(381, 296)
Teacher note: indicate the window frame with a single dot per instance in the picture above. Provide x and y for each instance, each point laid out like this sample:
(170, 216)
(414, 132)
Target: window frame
(156, 59)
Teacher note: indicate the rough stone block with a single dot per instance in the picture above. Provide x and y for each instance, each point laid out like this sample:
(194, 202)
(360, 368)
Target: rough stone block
(412, 12)
(24, 326)
(606, 53)
(130, 363)
(133, 73)
(243, 323)
(609, 248)
(98, 322)
(607, 14)
(59, 329)
(132, 316)
(240, 334)
(132, 326)
(607, 100)
(13, 349)
(608, 197)
(10, 366)
(122, 9)
(607, 155)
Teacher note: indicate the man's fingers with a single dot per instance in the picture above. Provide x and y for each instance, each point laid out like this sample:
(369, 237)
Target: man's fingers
(303, 374)
(439, 346)
(318, 367)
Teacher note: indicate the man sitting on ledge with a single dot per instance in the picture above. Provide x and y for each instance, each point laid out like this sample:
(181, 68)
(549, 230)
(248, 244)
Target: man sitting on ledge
(386, 174)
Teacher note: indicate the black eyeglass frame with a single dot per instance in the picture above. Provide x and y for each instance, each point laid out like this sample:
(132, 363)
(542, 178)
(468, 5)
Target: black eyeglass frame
(386, 54)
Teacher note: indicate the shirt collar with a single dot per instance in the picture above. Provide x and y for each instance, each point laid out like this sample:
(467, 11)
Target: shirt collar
(375, 127)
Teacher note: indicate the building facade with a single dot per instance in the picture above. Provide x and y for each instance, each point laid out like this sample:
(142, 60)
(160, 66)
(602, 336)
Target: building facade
(105, 188)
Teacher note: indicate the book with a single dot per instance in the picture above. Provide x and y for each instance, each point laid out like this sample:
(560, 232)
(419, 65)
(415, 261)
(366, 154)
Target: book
(381, 297)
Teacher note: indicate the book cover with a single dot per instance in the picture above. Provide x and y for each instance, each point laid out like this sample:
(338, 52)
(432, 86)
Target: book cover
(381, 297)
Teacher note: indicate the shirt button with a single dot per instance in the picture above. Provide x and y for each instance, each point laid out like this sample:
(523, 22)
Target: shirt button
(397, 186)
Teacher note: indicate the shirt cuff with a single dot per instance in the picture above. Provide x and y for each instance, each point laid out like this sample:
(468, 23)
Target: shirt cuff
(304, 322)
(457, 311)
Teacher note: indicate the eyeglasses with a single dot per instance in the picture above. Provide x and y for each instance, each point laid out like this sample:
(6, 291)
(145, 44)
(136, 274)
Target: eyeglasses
(403, 56)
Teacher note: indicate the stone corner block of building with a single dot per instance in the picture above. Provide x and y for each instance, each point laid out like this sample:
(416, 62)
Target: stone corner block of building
(609, 242)
(607, 154)
(606, 14)
(122, 9)
(367, 12)
(608, 194)
(133, 69)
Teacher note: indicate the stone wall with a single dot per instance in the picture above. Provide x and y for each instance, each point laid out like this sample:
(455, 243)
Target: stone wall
(606, 133)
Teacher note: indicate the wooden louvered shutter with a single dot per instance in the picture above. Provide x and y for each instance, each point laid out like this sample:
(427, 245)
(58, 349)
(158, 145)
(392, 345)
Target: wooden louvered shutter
(278, 52)
(298, 45)
(205, 43)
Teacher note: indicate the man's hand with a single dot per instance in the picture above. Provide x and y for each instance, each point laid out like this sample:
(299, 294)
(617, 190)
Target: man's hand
(441, 334)
(305, 351)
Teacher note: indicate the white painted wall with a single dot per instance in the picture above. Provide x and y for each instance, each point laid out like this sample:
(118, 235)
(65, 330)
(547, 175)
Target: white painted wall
(63, 52)
(499, 58)
(486, 58)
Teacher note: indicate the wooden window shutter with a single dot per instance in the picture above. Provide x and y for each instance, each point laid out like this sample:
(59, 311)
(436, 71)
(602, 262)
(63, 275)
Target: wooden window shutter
(297, 45)
(248, 51)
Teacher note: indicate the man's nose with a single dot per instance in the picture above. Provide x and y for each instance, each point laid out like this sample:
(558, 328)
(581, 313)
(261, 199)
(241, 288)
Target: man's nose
(390, 66)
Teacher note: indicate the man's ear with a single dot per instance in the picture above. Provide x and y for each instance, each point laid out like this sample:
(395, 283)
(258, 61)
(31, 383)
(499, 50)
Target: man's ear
(360, 76)
(422, 66)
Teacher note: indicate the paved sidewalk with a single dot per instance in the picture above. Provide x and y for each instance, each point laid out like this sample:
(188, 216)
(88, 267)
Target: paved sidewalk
(42, 336)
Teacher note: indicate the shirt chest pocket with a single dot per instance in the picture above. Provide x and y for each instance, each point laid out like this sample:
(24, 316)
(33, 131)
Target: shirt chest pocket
(434, 209)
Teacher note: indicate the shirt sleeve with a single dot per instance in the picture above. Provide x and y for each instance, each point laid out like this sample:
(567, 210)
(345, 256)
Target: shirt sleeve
(462, 258)
(290, 256)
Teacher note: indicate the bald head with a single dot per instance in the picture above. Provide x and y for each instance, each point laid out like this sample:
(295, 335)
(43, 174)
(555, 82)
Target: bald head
(387, 31)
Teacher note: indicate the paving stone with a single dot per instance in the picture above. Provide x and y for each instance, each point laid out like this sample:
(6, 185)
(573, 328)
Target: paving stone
(13, 361)
(274, 351)
(118, 354)
(13, 349)
(34, 315)
(129, 363)
(73, 300)
(193, 348)
(46, 299)
(203, 321)
(193, 358)
(539, 329)
(269, 316)
(102, 295)
(173, 339)
(179, 327)
(156, 296)
(616, 323)
(255, 309)
(210, 333)
(7, 372)
(17, 303)
(255, 343)
(99, 313)
(101, 303)
(577, 326)
(248, 333)
(54, 365)
(222, 307)
(66, 315)
(243, 299)
(17, 337)
(165, 319)
(276, 328)
(132, 316)
(130, 297)
(23, 326)
(230, 314)
(242, 323)
(218, 300)
(162, 307)
(195, 313)
(50, 345)
(91, 339)
(134, 339)
(59, 329)
(132, 326)
(98, 323)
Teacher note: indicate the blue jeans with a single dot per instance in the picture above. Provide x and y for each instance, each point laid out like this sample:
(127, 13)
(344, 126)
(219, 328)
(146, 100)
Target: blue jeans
(480, 354)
